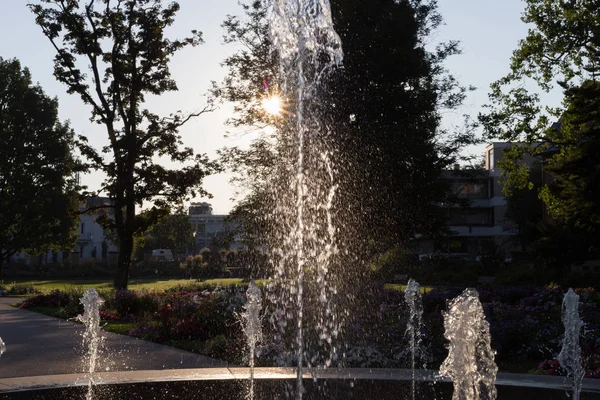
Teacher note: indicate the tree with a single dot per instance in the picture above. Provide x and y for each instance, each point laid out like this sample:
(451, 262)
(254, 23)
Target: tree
(172, 232)
(381, 113)
(525, 209)
(350, 172)
(572, 197)
(561, 49)
(124, 46)
(38, 190)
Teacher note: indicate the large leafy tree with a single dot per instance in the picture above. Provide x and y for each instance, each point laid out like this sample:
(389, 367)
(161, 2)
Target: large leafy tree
(561, 51)
(172, 232)
(366, 179)
(38, 190)
(123, 46)
(380, 110)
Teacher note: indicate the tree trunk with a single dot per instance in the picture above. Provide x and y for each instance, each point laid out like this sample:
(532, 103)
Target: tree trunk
(125, 230)
(124, 261)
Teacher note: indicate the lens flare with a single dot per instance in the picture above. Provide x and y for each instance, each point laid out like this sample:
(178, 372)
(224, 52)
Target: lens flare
(272, 105)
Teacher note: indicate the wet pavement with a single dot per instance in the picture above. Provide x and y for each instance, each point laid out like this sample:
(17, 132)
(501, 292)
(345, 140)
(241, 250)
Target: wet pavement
(37, 344)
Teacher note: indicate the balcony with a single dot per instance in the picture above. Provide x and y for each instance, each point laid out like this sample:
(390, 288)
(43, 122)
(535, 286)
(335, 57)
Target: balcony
(495, 230)
(85, 237)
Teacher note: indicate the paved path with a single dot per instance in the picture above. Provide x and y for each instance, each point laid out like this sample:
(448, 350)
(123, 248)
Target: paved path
(40, 345)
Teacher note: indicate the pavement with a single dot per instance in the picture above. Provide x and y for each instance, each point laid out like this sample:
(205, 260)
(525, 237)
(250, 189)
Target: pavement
(37, 345)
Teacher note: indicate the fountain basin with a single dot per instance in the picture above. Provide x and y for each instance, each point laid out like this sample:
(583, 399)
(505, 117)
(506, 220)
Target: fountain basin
(275, 383)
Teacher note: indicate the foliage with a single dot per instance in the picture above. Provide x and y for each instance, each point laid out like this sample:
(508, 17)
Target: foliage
(80, 285)
(525, 323)
(172, 316)
(211, 263)
(562, 48)
(19, 289)
(38, 195)
(394, 263)
(172, 232)
(572, 197)
(381, 114)
(525, 209)
(124, 46)
(558, 48)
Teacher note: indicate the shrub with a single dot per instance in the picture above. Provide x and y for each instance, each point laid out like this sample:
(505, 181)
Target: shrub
(19, 289)
(55, 298)
(125, 302)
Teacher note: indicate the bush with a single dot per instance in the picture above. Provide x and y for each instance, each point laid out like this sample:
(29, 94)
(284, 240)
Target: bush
(19, 289)
(157, 269)
(55, 298)
(125, 302)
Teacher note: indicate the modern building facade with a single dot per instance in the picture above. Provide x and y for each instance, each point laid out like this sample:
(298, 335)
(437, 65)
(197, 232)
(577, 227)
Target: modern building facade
(480, 224)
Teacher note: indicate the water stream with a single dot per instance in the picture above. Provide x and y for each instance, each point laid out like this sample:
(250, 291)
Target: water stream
(307, 46)
(470, 362)
(92, 339)
(413, 298)
(570, 354)
(252, 327)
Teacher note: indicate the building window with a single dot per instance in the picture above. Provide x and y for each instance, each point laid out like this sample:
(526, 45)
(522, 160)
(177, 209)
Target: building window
(491, 159)
(471, 190)
(82, 225)
(491, 187)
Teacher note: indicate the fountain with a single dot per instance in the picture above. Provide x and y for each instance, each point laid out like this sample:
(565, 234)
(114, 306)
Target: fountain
(570, 354)
(470, 362)
(307, 47)
(92, 339)
(412, 296)
(304, 253)
(252, 327)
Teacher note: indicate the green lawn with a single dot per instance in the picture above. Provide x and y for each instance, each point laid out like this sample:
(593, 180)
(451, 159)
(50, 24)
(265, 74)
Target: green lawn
(120, 327)
(396, 286)
(80, 285)
(46, 286)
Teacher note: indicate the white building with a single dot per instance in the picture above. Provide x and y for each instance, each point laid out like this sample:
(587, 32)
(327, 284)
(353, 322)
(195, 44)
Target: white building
(92, 242)
(212, 229)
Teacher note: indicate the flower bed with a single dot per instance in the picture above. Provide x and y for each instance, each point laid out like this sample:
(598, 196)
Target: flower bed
(525, 324)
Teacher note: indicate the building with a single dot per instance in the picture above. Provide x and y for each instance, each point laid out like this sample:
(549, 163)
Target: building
(479, 225)
(211, 229)
(92, 242)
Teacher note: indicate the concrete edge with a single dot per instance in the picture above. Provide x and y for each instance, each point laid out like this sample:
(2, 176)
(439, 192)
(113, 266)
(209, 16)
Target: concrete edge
(273, 373)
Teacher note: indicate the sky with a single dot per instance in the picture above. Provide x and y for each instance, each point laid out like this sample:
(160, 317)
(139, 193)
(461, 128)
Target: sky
(489, 30)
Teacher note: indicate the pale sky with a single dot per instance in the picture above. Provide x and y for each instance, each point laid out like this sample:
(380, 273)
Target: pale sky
(489, 31)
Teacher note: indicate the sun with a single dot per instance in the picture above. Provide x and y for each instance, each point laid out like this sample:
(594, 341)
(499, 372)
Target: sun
(272, 105)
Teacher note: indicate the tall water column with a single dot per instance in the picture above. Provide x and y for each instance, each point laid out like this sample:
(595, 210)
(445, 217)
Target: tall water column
(307, 47)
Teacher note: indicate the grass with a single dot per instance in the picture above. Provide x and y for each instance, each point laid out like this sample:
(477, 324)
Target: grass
(402, 288)
(81, 285)
(120, 327)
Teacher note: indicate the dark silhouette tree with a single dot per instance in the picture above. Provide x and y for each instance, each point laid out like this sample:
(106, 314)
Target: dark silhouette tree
(173, 232)
(381, 110)
(38, 189)
(124, 46)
